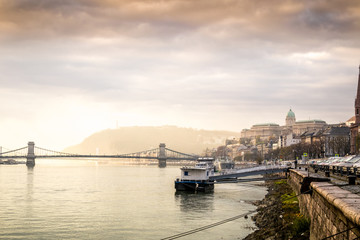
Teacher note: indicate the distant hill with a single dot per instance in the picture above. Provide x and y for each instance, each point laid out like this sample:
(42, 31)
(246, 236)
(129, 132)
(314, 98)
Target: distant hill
(133, 139)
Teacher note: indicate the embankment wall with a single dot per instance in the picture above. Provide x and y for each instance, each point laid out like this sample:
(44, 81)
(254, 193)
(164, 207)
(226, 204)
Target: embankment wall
(331, 209)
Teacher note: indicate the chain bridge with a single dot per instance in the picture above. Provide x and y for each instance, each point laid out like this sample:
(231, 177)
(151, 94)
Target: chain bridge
(162, 154)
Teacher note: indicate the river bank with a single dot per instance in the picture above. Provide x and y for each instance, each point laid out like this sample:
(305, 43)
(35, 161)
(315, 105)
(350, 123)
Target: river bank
(278, 215)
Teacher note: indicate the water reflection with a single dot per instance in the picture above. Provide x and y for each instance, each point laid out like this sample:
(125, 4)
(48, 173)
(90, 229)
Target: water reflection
(29, 190)
(194, 202)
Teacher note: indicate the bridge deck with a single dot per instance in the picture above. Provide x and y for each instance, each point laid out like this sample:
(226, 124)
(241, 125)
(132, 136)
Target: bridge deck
(102, 156)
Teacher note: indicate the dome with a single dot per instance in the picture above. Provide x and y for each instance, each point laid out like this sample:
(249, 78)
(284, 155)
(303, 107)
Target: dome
(291, 114)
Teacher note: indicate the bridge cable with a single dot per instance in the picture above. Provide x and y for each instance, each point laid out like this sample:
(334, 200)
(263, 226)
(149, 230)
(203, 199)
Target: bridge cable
(180, 153)
(14, 150)
(53, 151)
(207, 226)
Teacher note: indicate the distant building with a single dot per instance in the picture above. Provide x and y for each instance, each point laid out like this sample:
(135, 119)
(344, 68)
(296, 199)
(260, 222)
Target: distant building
(285, 135)
(350, 121)
(311, 136)
(290, 118)
(308, 125)
(336, 141)
(288, 140)
(354, 128)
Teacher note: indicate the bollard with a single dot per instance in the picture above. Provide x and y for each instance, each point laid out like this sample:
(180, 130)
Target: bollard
(351, 179)
(327, 174)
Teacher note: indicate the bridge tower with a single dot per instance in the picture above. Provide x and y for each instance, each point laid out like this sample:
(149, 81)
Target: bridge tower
(162, 155)
(30, 158)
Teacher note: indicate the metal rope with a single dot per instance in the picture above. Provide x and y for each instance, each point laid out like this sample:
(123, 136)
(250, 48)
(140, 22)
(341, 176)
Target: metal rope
(219, 223)
(52, 151)
(136, 153)
(184, 154)
(207, 226)
(14, 150)
(340, 233)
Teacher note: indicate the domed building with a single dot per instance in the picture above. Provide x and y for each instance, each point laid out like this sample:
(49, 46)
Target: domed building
(288, 134)
(290, 118)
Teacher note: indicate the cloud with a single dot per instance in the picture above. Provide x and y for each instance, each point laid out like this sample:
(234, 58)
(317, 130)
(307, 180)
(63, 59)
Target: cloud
(161, 62)
(145, 18)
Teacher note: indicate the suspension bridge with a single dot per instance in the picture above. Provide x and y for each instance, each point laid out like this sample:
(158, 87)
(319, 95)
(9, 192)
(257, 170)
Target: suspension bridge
(162, 154)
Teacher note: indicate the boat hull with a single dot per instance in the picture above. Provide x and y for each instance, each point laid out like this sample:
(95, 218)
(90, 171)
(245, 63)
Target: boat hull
(194, 186)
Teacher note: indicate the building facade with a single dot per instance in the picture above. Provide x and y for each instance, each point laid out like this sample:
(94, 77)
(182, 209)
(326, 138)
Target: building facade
(336, 140)
(354, 128)
(308, 125)
(286, 135)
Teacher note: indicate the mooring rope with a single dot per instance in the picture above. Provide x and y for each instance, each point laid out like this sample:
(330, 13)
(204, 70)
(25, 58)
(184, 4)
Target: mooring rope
(183, 234)
(340, 233)
(207, 226)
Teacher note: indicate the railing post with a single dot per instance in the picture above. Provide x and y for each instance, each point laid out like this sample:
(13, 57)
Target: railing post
(162, 155)
(352, 179)
(30, 158)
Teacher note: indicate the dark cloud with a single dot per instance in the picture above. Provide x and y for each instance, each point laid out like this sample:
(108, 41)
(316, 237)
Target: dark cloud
(275, 19)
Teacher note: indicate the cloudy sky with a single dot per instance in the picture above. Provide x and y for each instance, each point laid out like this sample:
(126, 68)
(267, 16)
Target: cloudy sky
(69, 68)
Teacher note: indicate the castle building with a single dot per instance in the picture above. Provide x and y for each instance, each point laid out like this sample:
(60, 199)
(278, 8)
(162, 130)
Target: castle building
(290, 118)
(262, 131)
(308, 125)
(288, 134)
(354, 128)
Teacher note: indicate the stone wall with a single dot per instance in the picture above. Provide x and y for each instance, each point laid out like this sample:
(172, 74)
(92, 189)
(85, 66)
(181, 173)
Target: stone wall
(331, 209)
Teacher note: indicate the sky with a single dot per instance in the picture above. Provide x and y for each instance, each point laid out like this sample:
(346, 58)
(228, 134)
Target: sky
(69, 68)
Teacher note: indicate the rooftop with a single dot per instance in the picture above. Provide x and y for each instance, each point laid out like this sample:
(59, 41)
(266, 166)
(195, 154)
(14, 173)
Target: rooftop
(311, 121)
(352, 119)
(290, 114)
(266, 125)
(337, 131)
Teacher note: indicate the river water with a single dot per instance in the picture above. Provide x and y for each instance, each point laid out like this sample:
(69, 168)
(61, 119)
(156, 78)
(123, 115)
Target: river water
(78, 199)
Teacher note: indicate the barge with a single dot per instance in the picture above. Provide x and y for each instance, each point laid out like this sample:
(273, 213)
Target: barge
(197, 178)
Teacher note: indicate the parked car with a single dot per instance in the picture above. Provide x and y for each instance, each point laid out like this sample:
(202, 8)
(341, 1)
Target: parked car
(357, 164)
(350, 162)
(342, 160)
(329, 161)
(311, 162)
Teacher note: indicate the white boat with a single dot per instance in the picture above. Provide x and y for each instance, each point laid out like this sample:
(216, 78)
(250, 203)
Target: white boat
(197, 178)
(223, 163)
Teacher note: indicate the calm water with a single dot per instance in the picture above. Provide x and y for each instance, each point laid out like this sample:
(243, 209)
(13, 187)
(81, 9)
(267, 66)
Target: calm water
(104, 200)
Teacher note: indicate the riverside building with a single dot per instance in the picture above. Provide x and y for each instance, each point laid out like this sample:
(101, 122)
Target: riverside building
(354, 128)
(285, 135)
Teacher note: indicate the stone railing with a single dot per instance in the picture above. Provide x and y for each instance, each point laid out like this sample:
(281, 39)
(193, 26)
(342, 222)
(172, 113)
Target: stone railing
(332, 210)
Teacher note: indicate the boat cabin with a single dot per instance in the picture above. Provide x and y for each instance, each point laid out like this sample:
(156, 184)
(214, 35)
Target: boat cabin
(201, 171)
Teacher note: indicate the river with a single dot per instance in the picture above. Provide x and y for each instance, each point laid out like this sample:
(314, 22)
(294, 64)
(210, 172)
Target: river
(79, 199)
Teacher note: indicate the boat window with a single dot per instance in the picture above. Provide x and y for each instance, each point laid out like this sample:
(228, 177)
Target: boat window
(186, 173)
